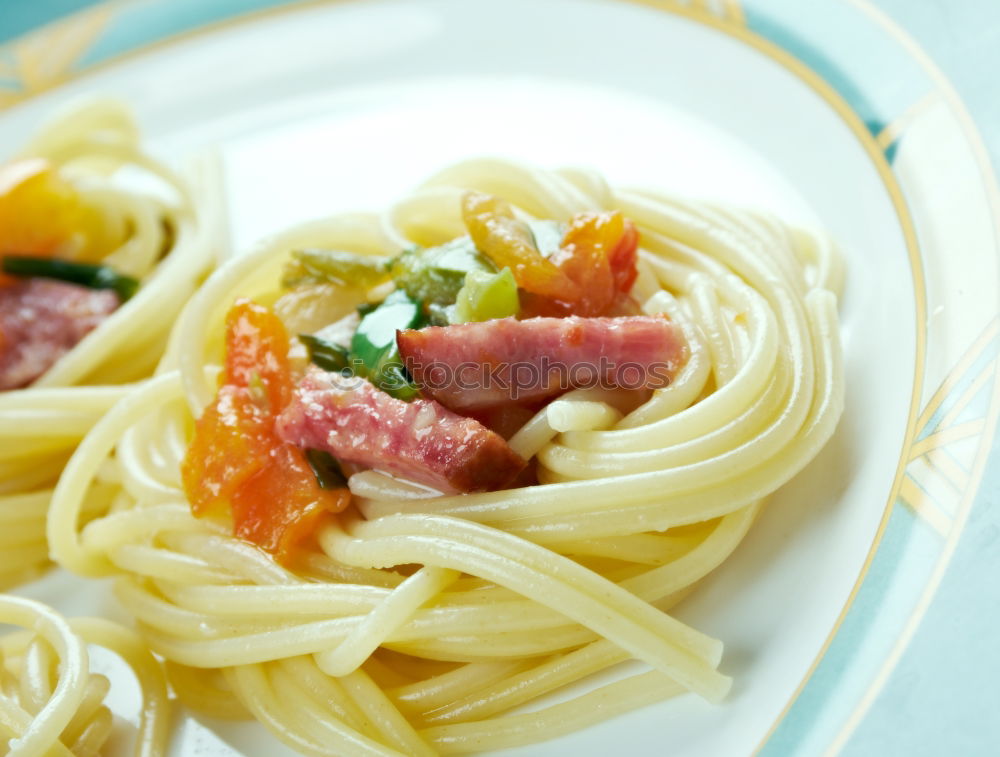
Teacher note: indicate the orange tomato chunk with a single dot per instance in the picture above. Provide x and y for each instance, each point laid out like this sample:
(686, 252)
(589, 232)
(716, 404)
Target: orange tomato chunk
(508, 242)
(257, 355)
(281, 506)
(598, 254)
(43, 215)
(237, 462)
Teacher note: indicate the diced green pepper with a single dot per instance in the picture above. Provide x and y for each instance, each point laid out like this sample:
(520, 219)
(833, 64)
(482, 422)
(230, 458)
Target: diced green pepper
(373, 347)
(486, 296)
(326, 355)
(436, 274)
(85, 274)
(314, 266)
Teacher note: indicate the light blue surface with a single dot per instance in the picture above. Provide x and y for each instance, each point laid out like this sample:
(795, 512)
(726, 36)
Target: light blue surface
(145, 21)
(20, 16)
(942, 697)
(826, 35)
(895, 580)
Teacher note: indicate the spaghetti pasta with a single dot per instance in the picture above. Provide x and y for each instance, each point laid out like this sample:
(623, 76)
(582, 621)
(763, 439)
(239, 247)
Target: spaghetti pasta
(423, 622)
(50, 702)
(165, 236)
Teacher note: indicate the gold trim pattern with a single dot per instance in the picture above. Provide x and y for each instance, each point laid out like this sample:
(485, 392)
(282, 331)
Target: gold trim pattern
(895, 128)
(734, 12)
(45, 59)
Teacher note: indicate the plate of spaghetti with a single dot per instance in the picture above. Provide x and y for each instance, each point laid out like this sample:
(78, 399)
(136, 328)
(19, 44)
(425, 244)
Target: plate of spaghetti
(454, 389)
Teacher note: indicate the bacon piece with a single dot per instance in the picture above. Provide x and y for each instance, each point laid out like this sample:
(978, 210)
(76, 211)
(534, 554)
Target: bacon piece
(477, 365)
(420, 440)
(41, 320)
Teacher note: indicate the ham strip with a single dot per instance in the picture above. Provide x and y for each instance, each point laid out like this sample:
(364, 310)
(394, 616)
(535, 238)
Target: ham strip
(479, 365)
(420, 440)
(41, 320)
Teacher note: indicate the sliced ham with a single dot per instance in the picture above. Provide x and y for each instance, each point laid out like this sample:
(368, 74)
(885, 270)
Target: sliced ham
(41, 320)
(420, 440)
(472, 366)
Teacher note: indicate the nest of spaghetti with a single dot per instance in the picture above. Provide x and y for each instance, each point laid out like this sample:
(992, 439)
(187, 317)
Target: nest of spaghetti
(101, 244)
(420, 476)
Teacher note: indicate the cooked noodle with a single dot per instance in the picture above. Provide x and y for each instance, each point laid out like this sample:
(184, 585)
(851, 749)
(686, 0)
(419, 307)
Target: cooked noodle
(425, 620)
(50, 702)
(168, 245)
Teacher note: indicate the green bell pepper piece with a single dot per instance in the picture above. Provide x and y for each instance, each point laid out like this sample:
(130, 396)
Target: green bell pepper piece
(373, 347)
(486, 296)
(436, 274)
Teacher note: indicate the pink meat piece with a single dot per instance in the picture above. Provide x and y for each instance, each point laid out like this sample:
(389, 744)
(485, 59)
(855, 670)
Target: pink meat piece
(471, 366)
(41, 320)
(420, 441)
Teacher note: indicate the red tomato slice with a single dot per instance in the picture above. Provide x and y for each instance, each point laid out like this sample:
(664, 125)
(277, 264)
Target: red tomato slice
(599, 253)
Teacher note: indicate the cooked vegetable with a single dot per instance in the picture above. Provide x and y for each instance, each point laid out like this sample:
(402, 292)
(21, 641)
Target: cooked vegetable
(435, 275)
(419, 440)
(85, 274)
(237, 462)
(334, 266)
(509, 243)
(599, 253)
(326, 469)
(486, 296)
(310, 307)
(373, 348)
(42, 214)
(325, 354)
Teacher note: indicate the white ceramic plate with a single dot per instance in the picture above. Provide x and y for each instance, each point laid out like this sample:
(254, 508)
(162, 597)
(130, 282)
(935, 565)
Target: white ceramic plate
(324, 107)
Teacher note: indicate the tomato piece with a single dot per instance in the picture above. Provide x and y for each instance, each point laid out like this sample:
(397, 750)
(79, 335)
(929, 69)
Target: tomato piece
(584, 258)
(257, 345)
(236, 459)
(42, 214)
(598, 253)
(625, 257)
(231, 444)
(282, 505)
(508, 242)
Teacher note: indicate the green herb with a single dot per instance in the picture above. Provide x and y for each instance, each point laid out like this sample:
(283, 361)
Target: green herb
(373, 346)
(436, 274)
(327, 355)
(85, 274)
(326, 469)
(394, 379)
(313, 266)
